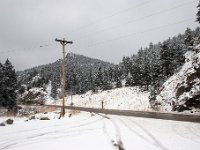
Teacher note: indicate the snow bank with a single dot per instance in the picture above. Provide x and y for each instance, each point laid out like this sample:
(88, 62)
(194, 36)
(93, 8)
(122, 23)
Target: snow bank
(128, 98)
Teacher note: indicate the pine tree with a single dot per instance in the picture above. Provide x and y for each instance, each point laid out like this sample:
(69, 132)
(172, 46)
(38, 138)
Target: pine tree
(54, 88)
(127, 64)
(145, 69)
(198, 13)
(106, 81)
(9, 85)
(1, 84)
(73, 81)
(21, 89)
(165, 59)
(91, 83)
(99, 79)
(117, 76)
(189, 39)
(118, 83)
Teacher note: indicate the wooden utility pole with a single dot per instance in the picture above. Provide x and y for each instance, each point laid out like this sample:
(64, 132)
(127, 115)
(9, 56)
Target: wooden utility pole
(63, 43)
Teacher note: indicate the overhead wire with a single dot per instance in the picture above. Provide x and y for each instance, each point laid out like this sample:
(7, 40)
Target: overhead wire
(114, 27)
(117, 38)
(27, 49)
(140, 32)
(134, 20)
(112, 15)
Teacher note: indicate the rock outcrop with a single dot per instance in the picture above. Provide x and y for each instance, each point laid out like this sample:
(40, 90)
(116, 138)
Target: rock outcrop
(182, 91)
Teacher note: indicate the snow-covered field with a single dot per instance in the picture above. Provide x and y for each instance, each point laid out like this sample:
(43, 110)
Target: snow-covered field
(95, 132)
(127, 98)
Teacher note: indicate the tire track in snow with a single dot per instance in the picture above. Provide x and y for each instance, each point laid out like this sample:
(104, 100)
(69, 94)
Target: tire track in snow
(115, 141)
(186, 134)
(41, 128)
(26, 139)
(151, 139)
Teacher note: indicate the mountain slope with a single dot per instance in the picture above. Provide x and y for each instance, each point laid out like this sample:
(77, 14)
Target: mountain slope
(81, 74)
(182, 91)
(80, 65)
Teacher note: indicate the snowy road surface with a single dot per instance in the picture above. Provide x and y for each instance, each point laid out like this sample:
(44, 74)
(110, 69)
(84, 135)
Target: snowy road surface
(95, 132)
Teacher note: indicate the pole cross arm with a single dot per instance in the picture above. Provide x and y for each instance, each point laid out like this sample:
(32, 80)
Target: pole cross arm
(64, 42)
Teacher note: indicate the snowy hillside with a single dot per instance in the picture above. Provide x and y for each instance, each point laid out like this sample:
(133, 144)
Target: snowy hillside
(182, 90)
(130, 98)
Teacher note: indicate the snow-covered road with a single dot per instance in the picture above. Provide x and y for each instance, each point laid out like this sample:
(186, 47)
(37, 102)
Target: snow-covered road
(97, 132)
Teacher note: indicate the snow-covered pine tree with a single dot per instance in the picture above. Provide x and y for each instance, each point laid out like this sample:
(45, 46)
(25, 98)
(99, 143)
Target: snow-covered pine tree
(1, 84)
(73, 80)
(99, 79)
(177, 54)
(165, 60)
(117, 76)
(91, 84)
(21, 89)
(198, 13)
(106, 81)
(154, 64)
(111, 74)
(54, 88)
(146, 68)
(196, 36)
(83, 83)
(135, 73)
(9, 85)
(127, 64)
(189, 39)
(139, 64)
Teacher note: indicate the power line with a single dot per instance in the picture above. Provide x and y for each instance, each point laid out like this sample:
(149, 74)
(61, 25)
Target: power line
(112, 15)
(28, 49)
(145, 31)
(113, 27)
(102, 42)
(137, 19)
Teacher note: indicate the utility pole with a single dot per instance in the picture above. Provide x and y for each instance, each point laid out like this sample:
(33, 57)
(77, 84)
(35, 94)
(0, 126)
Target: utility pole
(63, 43)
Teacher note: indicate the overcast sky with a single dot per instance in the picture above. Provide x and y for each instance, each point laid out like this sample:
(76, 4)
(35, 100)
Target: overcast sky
(104, 29)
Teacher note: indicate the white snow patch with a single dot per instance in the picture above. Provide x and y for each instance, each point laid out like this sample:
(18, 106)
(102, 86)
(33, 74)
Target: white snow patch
(127, 98)
(88, 132)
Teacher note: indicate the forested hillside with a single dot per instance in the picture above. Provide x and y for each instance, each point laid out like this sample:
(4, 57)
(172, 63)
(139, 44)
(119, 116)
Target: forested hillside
(81, 74)
(148, 69)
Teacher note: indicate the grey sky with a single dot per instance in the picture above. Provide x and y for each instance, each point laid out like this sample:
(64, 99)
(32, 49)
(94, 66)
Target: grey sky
(104, 29)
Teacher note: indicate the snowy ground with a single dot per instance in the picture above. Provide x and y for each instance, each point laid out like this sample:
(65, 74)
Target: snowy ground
(126, 98)
(86, 132)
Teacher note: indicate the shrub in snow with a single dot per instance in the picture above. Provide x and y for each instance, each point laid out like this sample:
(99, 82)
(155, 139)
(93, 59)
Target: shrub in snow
(31, 117)
(2, 124)
(9, 121)
(27, 110)
(33, 96)
(44, 118)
